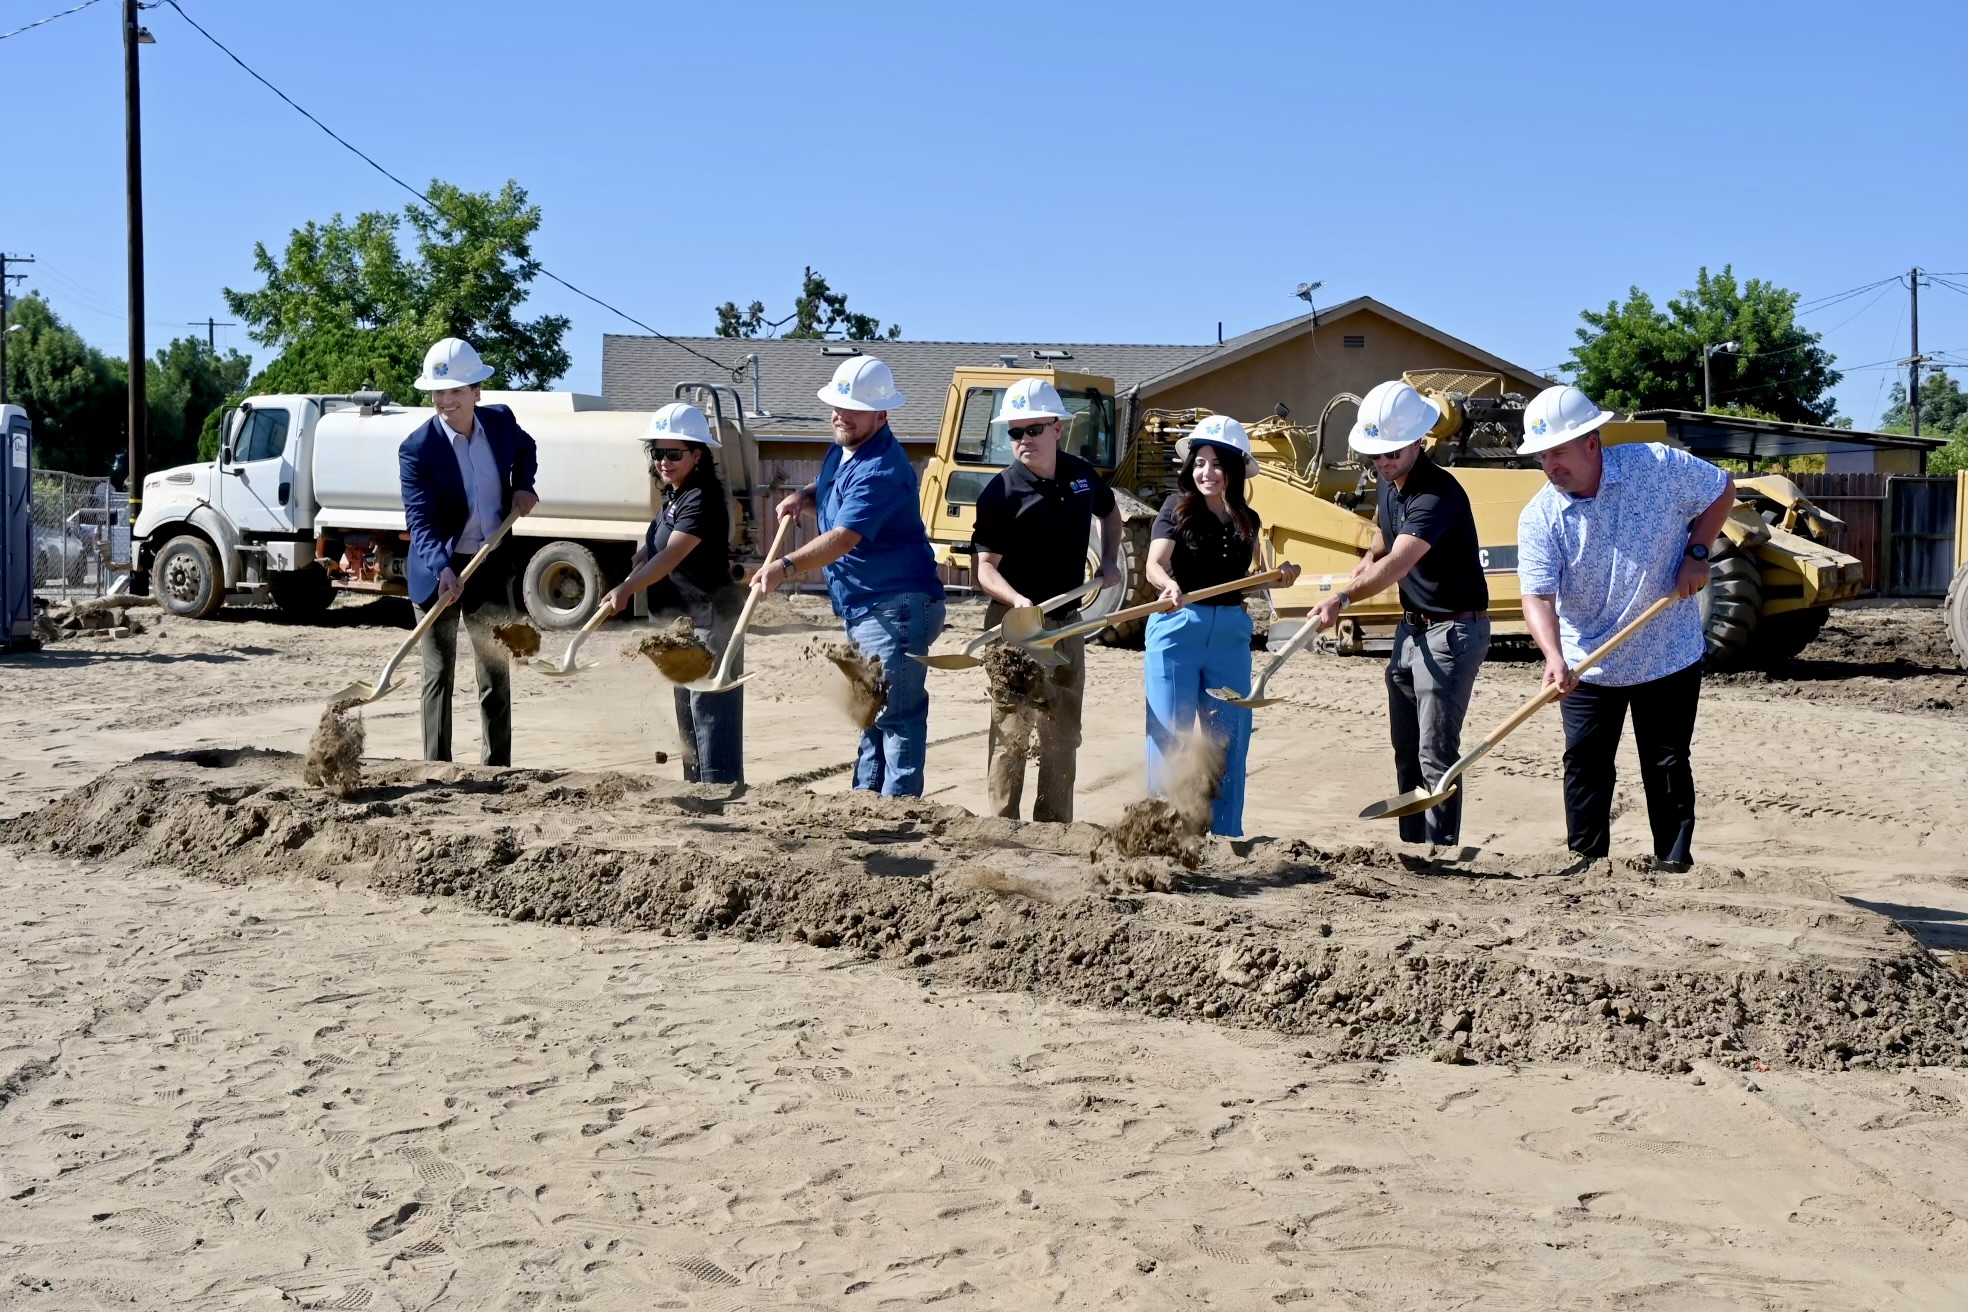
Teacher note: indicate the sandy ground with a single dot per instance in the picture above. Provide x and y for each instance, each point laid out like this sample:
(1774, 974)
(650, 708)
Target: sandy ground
(346, 1085)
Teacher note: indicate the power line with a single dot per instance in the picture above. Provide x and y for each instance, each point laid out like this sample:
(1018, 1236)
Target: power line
(734, 370)
(1826, 302)
(49, 19)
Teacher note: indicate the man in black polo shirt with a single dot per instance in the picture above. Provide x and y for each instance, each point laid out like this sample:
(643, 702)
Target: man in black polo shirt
(1034, 521)
(1425, 540)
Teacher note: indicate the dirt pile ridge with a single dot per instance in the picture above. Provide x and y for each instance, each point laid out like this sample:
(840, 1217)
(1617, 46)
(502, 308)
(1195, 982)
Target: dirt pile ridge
(676, 650)
(1363, 951)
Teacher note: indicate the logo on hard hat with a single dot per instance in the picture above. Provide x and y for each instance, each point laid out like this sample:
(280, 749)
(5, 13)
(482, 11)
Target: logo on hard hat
(1213, 426)
(1372, 430)
(441, 370)
(662, 425)
(1539, 428)
(1018, 402)
(843, 388)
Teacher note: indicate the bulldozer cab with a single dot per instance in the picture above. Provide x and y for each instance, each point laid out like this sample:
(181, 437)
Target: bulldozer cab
(972, 446)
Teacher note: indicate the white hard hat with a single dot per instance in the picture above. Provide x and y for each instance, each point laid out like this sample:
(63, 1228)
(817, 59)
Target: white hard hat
(1558, 415)
(1031, 398)
(681, 423)
(452, 363)
(1392, 415)
(1223, 431)
(863, 383)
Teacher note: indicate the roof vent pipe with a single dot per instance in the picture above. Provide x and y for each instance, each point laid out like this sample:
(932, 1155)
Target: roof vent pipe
(752, 367)
(1008, 361)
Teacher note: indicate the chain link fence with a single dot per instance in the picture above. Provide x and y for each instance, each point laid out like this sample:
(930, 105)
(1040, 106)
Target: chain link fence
(80, 529)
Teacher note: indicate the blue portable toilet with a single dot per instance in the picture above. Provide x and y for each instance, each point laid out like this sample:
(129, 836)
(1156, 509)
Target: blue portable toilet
(16, 532)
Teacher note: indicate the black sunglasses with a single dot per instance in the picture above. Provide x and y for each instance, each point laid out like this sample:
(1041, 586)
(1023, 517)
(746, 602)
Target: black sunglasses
(1030, 430)
(668, 454)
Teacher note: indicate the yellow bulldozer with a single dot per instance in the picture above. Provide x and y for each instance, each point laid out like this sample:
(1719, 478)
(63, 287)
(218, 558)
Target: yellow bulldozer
(1773, 577)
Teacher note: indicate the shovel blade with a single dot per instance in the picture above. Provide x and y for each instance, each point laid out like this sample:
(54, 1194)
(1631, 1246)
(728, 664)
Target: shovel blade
(712, 685)
(1021, 624)
(954, 660)
(1235, 698)
(358, 692)
(1408, 803)
(561, 670)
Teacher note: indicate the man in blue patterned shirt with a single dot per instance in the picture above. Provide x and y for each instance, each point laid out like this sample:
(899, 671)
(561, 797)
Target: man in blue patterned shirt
(1616, 529)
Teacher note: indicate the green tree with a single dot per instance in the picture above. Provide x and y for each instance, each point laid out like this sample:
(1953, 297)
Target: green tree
(346, 310)
(818, 311)
(1943, 413)
(75, 395)
(185, 384)
(1637, 356)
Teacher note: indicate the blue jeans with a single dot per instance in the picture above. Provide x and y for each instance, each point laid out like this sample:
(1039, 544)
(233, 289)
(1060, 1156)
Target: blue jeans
(711, 725)
(1189, 652)
(891, 757)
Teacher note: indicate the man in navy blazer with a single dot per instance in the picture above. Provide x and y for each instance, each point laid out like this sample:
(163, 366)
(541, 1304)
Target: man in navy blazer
(463, 473)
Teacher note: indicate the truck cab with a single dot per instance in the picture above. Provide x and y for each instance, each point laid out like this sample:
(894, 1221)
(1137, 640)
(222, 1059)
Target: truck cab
(972, 446)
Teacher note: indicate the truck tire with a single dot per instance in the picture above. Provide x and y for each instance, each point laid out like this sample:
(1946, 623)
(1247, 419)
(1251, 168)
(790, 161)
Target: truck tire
(1731, 606)
(562, 585)
(1135, 589)
(1779, 638)
(302, 594)
(187, 578)
(1955, 611)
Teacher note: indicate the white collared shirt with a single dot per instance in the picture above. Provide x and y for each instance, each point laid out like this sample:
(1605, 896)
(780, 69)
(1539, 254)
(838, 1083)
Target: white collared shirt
(484, 488)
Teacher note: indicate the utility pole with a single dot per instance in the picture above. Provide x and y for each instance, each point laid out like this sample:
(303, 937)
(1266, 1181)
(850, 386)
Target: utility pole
(1914, 359)
(139, 414)
(6, 303)
(211, 332)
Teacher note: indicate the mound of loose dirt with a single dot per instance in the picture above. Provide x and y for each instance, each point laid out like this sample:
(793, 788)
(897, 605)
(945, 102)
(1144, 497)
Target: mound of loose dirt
(1364, 952)
(677, 651)
(1885, 657)
(334, 754)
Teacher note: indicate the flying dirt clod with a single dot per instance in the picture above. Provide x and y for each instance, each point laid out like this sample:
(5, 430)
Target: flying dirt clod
(866, 694)
(1155, 840)
(519, 638)
(677, 651)
(334, 755)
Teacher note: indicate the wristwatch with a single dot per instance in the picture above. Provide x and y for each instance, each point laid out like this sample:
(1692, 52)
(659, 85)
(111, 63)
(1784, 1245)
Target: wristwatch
(786, 565)
(1697, 551)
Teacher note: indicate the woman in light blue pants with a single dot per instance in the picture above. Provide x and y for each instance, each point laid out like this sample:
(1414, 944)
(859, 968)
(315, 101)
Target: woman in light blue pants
(1206, 534)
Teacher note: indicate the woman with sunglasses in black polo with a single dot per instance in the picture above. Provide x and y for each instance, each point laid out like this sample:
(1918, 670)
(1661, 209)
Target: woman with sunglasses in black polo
(684, 561)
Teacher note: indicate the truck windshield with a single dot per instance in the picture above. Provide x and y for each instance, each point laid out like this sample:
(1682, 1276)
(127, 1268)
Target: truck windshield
(1089, 435)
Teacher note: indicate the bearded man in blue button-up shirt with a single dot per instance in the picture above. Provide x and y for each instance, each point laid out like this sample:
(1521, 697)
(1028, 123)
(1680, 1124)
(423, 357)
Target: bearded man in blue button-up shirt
(1616, 529)
(881, 575)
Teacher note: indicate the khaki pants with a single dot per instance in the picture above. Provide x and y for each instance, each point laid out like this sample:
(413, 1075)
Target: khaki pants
(1056, 726)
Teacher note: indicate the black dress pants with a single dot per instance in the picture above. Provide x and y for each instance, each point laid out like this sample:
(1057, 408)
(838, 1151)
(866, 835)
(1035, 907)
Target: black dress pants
(1663, 727)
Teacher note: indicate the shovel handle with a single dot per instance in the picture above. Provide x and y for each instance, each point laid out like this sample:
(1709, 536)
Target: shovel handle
(752, 596)
(1146, 609)
(1550, 692)
(985, 638)
(479, 557)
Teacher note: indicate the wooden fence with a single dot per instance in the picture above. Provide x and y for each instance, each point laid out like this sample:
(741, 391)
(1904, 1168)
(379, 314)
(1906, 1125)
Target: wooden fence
(1859, 500)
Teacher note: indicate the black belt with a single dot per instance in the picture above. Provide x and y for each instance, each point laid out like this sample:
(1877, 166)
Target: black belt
(1417, 620)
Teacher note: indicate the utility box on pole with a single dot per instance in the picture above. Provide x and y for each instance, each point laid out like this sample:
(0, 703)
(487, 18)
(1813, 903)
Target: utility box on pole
(16, 532)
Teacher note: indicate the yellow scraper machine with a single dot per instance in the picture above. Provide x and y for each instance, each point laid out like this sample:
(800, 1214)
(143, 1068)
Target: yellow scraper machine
(1774, 577)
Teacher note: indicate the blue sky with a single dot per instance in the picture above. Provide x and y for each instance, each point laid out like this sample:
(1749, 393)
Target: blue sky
(1074, 172)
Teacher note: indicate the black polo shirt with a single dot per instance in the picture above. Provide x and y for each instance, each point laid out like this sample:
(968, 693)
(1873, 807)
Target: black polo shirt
(1207, 550)
(1435, 508)
(1041, 526)
(701, 585)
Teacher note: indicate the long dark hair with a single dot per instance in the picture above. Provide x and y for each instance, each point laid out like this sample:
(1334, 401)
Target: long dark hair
(1194, 504)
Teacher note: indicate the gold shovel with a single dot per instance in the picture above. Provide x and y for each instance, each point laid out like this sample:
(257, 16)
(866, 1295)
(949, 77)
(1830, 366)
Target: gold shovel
(1420, 799)
(1021, 628)
(968, 657)
(566, 665)
(1255, 698)
(721, 679)
(362, 693)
